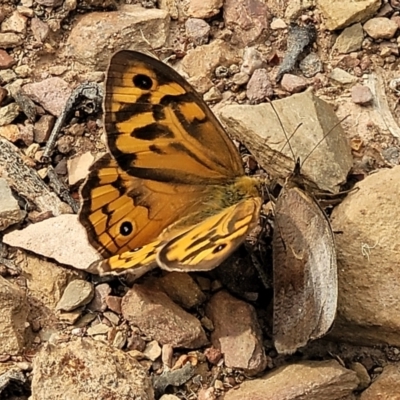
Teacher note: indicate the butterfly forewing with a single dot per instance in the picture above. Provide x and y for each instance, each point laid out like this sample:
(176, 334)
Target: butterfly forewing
(150, 108)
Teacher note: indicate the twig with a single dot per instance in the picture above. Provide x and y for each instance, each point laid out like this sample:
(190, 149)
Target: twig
(90, 91)
(26, 182)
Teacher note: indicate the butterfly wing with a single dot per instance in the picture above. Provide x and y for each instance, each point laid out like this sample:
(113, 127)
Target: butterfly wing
(200, 248)
(121, 213)
(170, 156)
(207, 244)
(135, 263)
(159, 128)
(305, 271)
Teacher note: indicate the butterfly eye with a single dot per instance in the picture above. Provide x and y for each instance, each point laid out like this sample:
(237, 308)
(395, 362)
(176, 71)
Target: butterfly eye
(219, 248)
(142, 82)
(126, 228)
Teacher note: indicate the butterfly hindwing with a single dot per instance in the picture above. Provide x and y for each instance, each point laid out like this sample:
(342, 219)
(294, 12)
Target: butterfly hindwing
(210, 242)
(136, 262)
(197, 248)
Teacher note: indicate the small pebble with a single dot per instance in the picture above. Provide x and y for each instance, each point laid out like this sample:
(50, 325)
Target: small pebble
(361, 95)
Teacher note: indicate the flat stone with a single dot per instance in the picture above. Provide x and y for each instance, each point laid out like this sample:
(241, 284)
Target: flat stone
(259, 87)
(295, 8)
(46, 280)
(50, 3)
(113, 318)
(10, 212)
(203, 8)
(13, 318)
(23, 71)
(368, 257)
(197, 30)
(311, 380)
(350, 39)
(98, 329)
(248, 19)
(386, 386)
(10, 132)
(278, 23)
(77, 293)
(341, 76)
(15, 133)
(43, 127)
(10, 40)
(311, 65)
(380, 28)
(114, 303)
(78, 167)
(40, 30)
(70, 317)
(97, 35)
(200, 63)
(8, 113)
(252, 60)
(152, 350)
(51, 93)
(293, 83)
(159, 318)
(26, 133)
(237, 333)
(339, 14)
(14, 23)
(182, 289)
(362, 375)
(26, 11)
(240, 79)
(213, 95)
(98, 304)
(87, 369)
(361, 95)
(44, 238)
(7, 76)
(327, 166)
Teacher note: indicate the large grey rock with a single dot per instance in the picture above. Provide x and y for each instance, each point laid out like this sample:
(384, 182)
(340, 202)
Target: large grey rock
(310, 126)
(97, 35)
(87, 369)
(368, 250)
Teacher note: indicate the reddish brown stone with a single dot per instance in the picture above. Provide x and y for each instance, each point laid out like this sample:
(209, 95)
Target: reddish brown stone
(237, 333)
(6, 61)
(159, 318)
(114, 303)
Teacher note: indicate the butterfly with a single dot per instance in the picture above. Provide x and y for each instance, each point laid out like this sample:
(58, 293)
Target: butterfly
(172, 190)
(305, 268)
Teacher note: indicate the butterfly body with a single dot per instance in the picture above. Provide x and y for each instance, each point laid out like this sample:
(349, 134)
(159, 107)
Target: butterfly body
(172, 192)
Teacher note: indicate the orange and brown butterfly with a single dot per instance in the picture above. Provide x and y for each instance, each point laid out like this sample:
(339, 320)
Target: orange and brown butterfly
(172, 192)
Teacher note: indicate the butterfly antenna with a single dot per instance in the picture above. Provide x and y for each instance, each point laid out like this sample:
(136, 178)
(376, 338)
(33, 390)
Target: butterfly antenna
(323, 138)
(284, 130)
